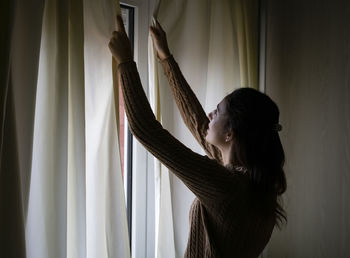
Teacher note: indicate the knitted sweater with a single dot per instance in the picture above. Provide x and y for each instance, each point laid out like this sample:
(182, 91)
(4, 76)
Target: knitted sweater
(225, 217)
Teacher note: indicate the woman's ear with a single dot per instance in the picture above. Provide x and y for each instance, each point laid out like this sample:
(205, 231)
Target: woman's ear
(229, 136)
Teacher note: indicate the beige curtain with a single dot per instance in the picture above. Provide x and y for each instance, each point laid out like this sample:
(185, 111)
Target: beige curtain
(60, 151)
(216, 46)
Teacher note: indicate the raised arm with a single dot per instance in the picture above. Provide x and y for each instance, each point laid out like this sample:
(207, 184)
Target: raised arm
(205, 177)
(190, 109)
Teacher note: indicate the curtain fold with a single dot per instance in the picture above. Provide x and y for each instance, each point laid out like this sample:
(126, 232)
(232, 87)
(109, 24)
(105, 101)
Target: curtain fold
(11, 209)
(47, 208)
(76, 151)
(245, 19)
(11, 213)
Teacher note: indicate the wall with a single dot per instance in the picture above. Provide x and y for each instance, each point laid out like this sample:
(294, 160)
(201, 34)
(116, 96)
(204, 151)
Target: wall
(308, 75)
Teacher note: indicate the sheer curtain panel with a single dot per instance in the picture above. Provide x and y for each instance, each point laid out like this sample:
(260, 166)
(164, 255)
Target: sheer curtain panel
(59, 152)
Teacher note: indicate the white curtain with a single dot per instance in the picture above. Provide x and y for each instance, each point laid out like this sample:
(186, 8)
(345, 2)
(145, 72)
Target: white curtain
(216, 45)
(69, 184)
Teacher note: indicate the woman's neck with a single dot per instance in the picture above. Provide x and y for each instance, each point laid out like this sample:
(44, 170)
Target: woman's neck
(226, 154)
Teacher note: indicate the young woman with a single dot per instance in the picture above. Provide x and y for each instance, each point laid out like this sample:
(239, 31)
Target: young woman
(238, 182)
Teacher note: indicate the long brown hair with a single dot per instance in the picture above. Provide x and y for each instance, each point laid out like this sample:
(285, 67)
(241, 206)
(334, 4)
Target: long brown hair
(257, 146)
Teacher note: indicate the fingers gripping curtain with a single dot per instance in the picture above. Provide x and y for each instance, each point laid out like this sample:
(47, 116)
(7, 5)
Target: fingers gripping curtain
(164, 232)
(73, 200)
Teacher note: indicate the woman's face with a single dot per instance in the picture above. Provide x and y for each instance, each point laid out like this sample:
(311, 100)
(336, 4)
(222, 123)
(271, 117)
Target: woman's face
(217, 132)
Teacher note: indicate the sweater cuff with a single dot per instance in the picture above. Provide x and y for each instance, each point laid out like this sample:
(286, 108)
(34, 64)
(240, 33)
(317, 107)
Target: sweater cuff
(167, 59)
(124, 65)
(167, 63)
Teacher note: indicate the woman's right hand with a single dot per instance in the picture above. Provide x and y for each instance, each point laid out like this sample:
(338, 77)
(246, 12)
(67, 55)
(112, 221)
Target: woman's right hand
(159, 41)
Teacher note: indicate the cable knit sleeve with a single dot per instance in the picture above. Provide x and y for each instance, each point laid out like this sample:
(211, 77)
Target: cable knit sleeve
(191, 110)
(205, 177)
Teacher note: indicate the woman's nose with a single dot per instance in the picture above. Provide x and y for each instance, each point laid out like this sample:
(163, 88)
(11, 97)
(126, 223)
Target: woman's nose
(210, 115)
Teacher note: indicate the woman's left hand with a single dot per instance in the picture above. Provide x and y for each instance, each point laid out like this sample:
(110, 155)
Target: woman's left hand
(120, 44)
